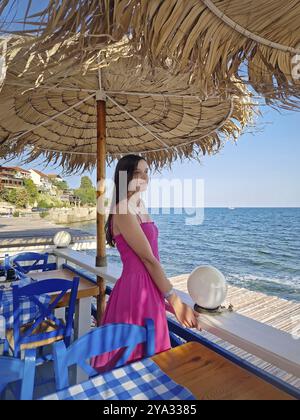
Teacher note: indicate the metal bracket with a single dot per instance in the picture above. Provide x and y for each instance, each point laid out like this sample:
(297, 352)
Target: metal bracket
(101, 95)
(218, 311)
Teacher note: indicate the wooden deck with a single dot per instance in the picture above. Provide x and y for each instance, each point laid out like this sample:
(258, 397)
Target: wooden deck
(273, 311)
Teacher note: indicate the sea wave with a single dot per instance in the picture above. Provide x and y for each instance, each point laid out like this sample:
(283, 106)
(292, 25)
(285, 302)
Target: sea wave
(292, 282)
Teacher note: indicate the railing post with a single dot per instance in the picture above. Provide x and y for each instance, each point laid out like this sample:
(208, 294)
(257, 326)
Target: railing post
(101, 260)
(60, 261)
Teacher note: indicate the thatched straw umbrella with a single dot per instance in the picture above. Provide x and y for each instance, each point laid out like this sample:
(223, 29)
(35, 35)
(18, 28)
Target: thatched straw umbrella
(3, 65)
(161, 116)
(212, 39)
(117, 107)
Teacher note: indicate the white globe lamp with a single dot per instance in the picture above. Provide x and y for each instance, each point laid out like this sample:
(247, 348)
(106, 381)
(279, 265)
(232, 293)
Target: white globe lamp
(208, 288)
(62, 239)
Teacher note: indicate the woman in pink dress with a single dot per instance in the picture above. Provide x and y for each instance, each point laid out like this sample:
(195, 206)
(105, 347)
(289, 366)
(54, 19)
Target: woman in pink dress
(143, 287)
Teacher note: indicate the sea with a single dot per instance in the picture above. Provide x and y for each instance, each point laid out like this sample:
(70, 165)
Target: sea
(255, 248)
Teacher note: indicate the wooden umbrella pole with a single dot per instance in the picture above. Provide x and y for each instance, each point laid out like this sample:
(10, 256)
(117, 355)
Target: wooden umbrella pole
(101, 260)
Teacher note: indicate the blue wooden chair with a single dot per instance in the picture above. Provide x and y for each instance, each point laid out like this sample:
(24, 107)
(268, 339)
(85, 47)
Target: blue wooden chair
(37, 262)
(12, 370)
(99, 341)
(3, 341)
(7, 261)
(46, 328)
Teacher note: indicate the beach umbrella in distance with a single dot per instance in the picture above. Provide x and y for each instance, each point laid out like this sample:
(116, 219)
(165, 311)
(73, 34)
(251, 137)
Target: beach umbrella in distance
(89, 115)
(212, 39)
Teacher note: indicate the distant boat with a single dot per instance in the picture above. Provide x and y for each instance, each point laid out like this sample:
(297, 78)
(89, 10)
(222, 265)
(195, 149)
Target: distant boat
(231, 208)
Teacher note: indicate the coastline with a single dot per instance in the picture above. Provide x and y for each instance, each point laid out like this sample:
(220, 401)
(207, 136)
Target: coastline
(68, 216)
(36, 234)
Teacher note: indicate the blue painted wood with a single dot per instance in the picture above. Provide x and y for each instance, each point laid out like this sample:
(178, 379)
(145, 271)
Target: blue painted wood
(6, 261)
(44, 311)
(177, 330)
(3, 341)
(39, 262)
(38, 267)
(175, 341)
(12, 370)
(81, 273)
(99, 341)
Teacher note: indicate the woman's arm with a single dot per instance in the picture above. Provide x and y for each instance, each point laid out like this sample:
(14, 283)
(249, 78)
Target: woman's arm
(132, 232)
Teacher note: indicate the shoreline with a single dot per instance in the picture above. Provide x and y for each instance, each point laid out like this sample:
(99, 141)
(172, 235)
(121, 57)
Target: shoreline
(68, 216)
(36, 234)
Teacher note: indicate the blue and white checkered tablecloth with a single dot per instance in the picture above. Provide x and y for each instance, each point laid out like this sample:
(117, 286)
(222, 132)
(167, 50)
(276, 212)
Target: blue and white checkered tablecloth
(28, 310)
(142, 380)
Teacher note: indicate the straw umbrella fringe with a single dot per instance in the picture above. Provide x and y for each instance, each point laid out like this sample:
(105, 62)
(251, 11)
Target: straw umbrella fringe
(149, 112)
(3, 65)
(72, 141)
(214, 39)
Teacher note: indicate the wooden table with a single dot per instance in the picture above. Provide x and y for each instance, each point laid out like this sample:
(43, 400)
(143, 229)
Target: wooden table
(210, 376)
(86, 290)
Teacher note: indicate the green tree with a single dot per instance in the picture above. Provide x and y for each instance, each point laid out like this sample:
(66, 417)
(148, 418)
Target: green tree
(44, 204)
(86, 183)
(20, 196)
(4, 194)
(47, 201)
(86, 192)
(32, 190)
(17, 196)
(12, 196)
(61, 185)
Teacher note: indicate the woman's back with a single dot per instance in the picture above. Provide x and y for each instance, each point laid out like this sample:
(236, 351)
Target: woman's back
(128, 256)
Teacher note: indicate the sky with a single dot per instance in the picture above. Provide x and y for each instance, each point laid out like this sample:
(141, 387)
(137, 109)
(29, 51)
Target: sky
(261, 170)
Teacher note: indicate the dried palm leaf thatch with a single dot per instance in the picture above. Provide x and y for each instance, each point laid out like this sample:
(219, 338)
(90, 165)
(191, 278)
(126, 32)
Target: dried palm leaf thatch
(3, 65)
(214, 39)
(94, 22)
(9, 49)
(149, 112)
(33, 66)
(224, 37)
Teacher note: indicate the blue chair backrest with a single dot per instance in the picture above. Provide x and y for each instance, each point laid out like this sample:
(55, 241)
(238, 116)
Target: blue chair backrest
(12, 370)
(3, 341)
(44, 311)
(38, 262)
(7, 261)
(2, 324)
(101, 340)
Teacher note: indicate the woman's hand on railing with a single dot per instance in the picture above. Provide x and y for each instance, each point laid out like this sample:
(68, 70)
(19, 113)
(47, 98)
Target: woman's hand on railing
(185, 314)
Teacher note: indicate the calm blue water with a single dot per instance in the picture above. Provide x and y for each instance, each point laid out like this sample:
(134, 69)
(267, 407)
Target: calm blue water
(258, 249)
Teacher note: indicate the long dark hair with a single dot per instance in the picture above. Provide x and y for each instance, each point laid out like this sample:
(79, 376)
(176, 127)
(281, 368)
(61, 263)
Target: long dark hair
(129, 164)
